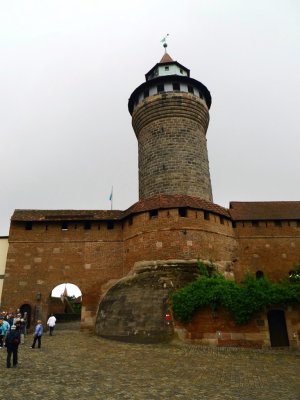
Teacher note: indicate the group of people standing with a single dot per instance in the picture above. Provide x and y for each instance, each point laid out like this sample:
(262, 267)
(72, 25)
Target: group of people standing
(13, 330)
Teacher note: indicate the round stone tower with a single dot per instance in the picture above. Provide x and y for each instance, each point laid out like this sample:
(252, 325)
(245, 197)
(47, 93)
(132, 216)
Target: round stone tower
(170, 116)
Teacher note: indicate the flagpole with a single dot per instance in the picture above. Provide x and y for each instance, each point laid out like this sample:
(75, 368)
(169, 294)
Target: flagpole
(111, 197)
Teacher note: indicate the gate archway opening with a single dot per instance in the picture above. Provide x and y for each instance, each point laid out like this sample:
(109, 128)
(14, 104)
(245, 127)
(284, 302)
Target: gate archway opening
(65, 302)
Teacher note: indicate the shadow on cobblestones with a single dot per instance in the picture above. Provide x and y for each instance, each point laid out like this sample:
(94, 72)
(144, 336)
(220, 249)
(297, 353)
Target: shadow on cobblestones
(79, 365)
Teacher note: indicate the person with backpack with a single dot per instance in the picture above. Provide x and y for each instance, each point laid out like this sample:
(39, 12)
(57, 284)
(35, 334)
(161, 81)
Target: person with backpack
(12, 344)
(38, 332)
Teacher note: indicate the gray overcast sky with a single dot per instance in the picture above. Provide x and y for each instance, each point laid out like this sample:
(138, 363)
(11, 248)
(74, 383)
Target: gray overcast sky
(68, 67)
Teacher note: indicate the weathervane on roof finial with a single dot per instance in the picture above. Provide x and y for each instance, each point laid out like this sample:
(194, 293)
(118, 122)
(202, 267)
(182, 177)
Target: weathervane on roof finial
(164, 41)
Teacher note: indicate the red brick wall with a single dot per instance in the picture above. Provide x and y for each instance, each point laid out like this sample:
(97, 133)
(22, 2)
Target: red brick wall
(41, 258)
(275, 250)
(219, 329)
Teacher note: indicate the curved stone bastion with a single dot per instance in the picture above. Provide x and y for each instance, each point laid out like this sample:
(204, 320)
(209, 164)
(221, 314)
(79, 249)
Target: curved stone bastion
(136, 309)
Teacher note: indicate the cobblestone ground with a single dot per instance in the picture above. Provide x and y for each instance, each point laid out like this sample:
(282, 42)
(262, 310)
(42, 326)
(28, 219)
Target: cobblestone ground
(78, 365)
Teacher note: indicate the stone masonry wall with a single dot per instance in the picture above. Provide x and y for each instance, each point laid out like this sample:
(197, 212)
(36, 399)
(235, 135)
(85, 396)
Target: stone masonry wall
(173, 159)
(135, 309)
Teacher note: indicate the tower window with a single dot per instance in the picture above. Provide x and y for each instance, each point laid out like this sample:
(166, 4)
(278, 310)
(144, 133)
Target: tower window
(181, 71)
(146, 93)
(255, 223)
(64, 226)
(153, 213)
(110, 225)
(160, 88)
(176, 86)
(233, 224)
(130, 221)
(166, 68)
(200, 95)
(190, 89)
(87, 225)
(28, 226)
(222, 220)
(182, 212)
(206, 215)
(277, 223)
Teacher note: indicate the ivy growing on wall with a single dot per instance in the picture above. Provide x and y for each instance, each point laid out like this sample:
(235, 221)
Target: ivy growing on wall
(242, 300)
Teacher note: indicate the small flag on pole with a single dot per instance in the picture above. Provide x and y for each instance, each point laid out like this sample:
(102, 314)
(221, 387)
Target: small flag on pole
(111, 197)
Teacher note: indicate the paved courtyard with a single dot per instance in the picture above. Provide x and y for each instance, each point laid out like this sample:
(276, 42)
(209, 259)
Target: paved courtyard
(78, 365)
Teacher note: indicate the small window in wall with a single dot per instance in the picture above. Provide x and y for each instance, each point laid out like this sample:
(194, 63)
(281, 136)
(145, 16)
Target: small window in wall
(176, 86)
(28, 226)
(130, 221)
(87, 225)
(160, 88)
(166, 68)
(64, 226)
(153, 213)
(146, 93)
(190, 89)
(110, 224)
(255, 224)
(298, 224)
(233, 224)
(200, 95)
(277, 223)
(206, 215)
(221, 220)
(259, 274)
(181, 71)
(182, 211)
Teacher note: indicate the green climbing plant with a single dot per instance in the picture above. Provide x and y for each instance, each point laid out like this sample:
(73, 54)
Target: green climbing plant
(242, 300)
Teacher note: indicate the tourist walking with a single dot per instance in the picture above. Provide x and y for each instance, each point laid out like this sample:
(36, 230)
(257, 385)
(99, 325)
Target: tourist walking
(5, 328)
(51, 323)
(38, 332)
(2, 333)
(12, 345)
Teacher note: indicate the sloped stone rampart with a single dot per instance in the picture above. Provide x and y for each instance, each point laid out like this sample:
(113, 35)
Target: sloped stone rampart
(134, 310)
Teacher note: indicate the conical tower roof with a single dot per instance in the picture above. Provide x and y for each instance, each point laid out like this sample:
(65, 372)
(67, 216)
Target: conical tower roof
(166, 59)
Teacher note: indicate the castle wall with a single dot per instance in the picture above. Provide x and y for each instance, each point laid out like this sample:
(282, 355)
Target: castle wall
(219, 329)
(272, 247)
(46, 256)
(41, 258)
(170, 236)
(3, 255)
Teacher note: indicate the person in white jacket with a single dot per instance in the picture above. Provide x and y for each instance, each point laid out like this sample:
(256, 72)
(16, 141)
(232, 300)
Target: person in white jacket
(51, 323)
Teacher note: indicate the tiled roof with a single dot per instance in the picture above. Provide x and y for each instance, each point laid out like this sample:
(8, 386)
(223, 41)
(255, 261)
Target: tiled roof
(264, 210)
(238, 211)
(166, 59)
(156, 202)
(174, 201)
(62, 215)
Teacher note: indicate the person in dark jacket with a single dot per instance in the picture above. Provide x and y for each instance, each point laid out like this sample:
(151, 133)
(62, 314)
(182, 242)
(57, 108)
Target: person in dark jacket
(38, 332)
(12, 344)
